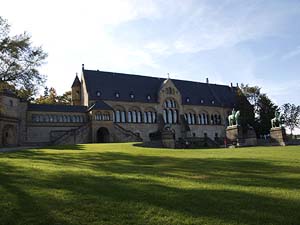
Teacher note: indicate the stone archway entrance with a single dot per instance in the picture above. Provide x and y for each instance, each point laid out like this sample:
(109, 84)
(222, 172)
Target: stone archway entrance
(102, 135)
(9, 135)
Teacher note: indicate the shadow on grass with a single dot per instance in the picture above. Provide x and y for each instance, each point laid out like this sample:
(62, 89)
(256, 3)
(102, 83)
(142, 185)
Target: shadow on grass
(235, 171)
(124, 190)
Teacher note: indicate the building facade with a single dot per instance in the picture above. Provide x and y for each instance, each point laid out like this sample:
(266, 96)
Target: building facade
(115, 107)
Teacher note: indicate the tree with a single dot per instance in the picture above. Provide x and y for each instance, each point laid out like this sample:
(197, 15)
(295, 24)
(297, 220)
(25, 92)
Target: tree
(266, 111)
(291, 116)
(263, 109)
(19, 61)
(65, 98)
(50, 97)
(247, 112)
(252, 94)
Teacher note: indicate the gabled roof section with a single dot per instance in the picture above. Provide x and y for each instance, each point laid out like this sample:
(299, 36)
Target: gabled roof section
(120, 87)
(100, 105)
(56, 108)
(76, 82)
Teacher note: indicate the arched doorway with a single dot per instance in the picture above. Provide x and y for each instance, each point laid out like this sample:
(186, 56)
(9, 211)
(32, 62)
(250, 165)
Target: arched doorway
(9, 135)
(102, 135)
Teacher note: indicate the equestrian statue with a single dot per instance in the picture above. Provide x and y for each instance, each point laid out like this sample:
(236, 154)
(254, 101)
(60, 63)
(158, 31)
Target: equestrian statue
(276, 122)
(234, 118)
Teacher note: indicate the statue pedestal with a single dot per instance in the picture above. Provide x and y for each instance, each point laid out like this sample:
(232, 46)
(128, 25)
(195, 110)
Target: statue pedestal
(168, 139)
(278, 136)
(237, 137)
(234, 134)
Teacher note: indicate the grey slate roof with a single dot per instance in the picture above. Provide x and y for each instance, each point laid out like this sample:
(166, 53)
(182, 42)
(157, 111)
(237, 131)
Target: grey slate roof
(109, 83)
(99, 104)
(56, 108)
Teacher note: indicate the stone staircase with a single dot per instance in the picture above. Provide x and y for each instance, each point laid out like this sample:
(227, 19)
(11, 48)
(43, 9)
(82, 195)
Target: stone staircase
(74, 136)
(125, 135)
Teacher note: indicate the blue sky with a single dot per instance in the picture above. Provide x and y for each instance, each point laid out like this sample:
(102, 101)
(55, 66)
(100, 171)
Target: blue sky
(252, 42)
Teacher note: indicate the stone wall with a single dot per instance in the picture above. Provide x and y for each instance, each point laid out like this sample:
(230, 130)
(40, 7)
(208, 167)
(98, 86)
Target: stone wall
(12, 120)
(41, 134)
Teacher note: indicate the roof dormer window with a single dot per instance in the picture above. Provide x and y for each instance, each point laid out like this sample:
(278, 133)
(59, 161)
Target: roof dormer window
(148, 97)
(98, 93)
(201, 101)
(117, 95)
(187, 99)
(131, 96)
(213, 102)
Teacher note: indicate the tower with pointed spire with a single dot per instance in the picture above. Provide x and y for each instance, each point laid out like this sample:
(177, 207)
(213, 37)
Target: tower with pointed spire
(76, 91)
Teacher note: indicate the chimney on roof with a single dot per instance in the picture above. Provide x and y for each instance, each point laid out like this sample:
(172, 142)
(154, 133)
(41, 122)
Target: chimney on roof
(231, 86)
(237, 84)
(207, 81)
(82, 66)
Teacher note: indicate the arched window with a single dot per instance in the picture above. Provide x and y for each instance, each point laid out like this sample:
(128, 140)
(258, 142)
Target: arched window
(173, 104)
(203, 118)
(149, 114)
(165, 115)
(169, 104)
(199, 121)
(189, 119)
(123, 117)
(170, 116)
(154, 117)
(170, 113)
(193, 118)
(139, 117)
(145, 117)
(129, 119)
(175, 116)
(219, 120)
(118, 116)
(134, 119)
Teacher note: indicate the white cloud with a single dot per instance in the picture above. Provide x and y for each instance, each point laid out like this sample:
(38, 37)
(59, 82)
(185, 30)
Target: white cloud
(206, 26)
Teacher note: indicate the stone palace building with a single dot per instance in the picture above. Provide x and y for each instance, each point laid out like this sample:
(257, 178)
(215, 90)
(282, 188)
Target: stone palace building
(116, 107)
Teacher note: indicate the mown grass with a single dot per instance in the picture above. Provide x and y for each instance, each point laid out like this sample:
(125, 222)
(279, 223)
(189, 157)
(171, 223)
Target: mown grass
(125, 184)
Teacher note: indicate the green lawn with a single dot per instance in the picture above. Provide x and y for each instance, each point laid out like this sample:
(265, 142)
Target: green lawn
(123, 184)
